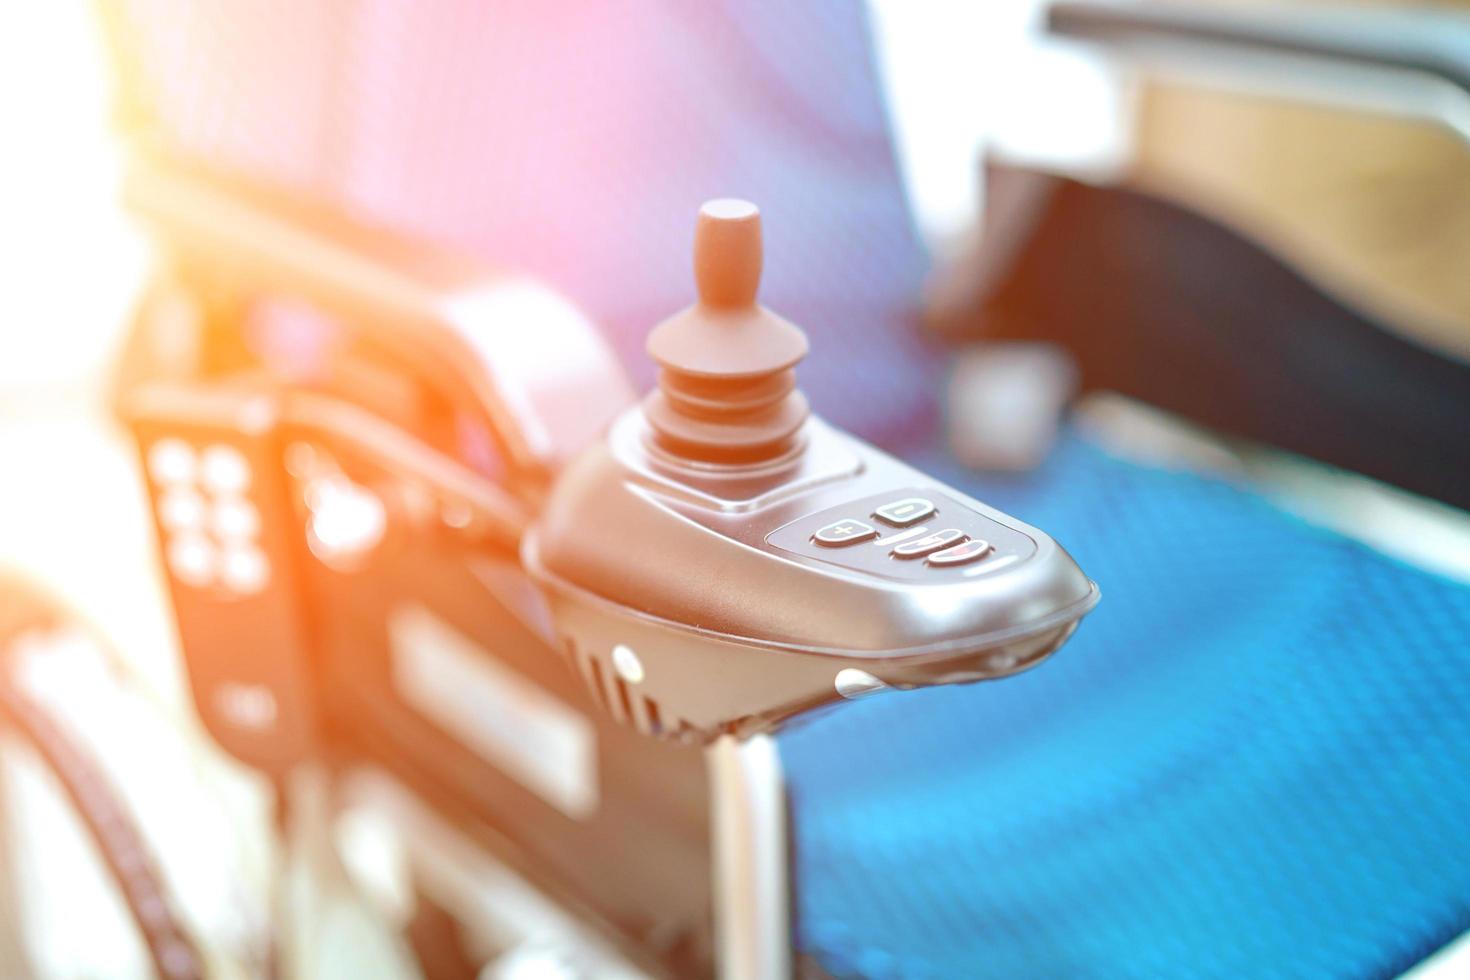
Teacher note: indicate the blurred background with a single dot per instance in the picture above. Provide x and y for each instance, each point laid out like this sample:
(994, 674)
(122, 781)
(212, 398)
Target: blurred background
(994, 132)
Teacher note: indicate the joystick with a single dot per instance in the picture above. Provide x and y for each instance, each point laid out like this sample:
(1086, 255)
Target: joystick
(724, 560)
(727, 384)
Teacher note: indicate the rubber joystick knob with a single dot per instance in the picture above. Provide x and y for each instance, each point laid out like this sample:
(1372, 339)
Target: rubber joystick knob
(727, 388)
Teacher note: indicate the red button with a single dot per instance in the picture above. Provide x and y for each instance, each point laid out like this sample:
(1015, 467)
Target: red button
(960, 554)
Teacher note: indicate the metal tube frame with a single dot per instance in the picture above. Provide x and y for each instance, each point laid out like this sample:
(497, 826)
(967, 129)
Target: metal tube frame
(750, 852)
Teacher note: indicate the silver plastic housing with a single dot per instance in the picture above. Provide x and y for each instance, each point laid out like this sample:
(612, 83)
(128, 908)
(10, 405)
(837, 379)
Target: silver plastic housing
(674, 562)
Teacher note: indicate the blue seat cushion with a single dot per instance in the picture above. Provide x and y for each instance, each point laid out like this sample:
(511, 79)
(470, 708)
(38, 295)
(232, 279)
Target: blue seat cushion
(1253, 759)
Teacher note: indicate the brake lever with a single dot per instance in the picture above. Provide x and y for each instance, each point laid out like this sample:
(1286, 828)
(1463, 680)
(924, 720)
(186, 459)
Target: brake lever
(455, 494)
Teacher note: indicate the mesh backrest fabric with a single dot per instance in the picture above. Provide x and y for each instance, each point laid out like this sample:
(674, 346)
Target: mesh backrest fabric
(575, 142)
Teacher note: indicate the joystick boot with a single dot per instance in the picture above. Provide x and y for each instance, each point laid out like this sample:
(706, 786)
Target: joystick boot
(727, 385)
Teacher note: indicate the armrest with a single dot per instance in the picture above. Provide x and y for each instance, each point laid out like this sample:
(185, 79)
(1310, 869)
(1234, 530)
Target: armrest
(506, 348)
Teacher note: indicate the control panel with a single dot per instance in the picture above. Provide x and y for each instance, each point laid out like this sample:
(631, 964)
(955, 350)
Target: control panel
(226, 536)
(209, 526)
(723, 560)
(918, 534)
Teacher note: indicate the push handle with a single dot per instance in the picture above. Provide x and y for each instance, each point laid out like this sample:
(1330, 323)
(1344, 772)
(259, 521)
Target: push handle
(1425, 43)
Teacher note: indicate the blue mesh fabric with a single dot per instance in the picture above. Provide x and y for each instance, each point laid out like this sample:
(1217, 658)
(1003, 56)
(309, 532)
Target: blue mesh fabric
(1251, 760)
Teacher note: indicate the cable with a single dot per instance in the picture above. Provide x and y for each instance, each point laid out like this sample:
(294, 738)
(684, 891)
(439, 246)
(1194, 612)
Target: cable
(280, 899)
(123, 849)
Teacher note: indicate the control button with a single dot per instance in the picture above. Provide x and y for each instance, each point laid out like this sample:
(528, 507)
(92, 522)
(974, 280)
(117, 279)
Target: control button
(961, 554)
(844, 532)
(171, 461)
(224, 470)
(181, 509)
(929, 543)
(192, 559)
(245, 569)
(234, 519)
(902, 513)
